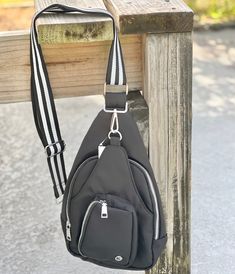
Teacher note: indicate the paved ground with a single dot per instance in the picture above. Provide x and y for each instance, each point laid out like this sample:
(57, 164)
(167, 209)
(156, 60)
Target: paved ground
(213, 189)
(31, 238)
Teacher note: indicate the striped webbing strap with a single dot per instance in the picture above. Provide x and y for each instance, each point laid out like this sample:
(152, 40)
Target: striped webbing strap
(44, 110)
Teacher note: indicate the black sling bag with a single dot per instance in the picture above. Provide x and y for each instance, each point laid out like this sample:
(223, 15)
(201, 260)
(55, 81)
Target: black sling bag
(111, 212)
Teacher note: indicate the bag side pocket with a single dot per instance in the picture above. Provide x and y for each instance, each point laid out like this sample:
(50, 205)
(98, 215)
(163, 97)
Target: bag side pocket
(109, 232)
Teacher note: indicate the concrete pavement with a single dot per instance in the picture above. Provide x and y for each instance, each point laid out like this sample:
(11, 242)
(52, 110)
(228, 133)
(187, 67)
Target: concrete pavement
(213, 153)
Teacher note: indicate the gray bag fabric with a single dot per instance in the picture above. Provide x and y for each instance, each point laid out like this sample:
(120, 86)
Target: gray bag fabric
(111, 212)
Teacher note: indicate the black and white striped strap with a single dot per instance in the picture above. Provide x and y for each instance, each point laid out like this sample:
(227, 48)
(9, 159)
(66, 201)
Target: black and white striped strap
(44, 110)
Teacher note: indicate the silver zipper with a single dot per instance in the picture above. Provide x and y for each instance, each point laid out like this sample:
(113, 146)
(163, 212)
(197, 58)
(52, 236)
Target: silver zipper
(104, 210)
(68, 224)
(68, 231)
(150, 182)
(104, 205)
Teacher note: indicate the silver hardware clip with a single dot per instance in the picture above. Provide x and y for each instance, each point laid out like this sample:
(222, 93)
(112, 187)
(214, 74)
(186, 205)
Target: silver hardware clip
(104, 210)
(68, 232)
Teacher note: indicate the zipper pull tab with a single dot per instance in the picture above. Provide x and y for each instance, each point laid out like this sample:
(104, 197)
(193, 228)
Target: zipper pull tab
(68, 232)
(104, 210)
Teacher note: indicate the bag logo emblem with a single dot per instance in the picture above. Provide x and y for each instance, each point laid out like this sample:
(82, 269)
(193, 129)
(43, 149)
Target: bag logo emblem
(118, 258)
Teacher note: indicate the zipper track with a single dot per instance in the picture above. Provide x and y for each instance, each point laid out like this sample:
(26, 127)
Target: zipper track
(151, 187)
(91, 205)
(152, 190)
(68, 224)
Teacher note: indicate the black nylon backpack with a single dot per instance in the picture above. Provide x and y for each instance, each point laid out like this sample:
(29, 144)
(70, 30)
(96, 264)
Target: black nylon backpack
(111, 213)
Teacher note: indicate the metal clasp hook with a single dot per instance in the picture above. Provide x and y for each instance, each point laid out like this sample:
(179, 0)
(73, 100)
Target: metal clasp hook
(114, 126)
(114, 121)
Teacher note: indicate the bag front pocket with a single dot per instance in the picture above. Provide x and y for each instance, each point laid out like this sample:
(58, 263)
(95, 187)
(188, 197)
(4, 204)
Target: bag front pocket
(109, 231)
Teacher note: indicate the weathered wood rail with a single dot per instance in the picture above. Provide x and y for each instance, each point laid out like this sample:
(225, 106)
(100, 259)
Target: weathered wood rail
(157, 46)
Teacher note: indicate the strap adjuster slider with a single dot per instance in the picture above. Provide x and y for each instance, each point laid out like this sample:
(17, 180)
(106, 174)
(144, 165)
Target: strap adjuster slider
(57, 150)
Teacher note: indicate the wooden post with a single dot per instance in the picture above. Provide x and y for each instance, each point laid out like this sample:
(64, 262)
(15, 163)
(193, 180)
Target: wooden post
(168, 90)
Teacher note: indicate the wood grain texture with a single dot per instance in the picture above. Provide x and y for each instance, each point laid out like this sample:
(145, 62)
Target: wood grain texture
(54, 28)
(132, 16)
(14, 66)
(146, 16)
(74, 69)
(168, 90)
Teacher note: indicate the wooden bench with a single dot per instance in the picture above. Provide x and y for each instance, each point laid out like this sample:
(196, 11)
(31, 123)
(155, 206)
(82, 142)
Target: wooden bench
(157, 46)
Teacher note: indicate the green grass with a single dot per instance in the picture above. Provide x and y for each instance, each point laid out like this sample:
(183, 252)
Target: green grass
(213, 9)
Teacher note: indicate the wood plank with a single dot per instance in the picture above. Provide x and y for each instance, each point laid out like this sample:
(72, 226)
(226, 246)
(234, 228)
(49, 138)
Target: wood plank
(74, 69)
(72, 28)
(146, 16)
(168, 90)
